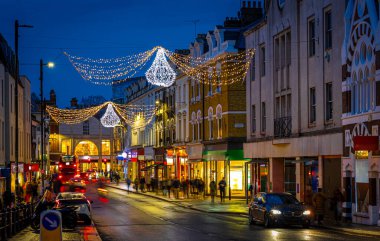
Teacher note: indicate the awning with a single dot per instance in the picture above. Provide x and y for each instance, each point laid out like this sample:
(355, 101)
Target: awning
(366, 143)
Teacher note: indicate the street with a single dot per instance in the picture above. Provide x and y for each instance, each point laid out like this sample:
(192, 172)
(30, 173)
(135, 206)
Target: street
(132, 216)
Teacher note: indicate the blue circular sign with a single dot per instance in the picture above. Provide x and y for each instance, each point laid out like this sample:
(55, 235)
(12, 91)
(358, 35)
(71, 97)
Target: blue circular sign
(51, 221)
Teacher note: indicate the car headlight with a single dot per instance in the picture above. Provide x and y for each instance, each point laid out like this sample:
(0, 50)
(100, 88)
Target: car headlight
(275, 212)
(306, 212)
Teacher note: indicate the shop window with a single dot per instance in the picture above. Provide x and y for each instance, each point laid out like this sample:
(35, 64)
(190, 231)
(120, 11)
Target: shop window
(362, 187)
(311, 180)
(290, 177)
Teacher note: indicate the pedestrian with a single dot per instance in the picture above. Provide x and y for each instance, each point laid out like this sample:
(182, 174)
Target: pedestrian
(250, 189)
(136, 184)
(34, 190)
(142, 184)
(128, 181)
(117, 178)
(185, 188)
(169, 184)
(319, 200)
(222, 188)
(212, 190)
(337, 202)
(176, 185)
(28, 192)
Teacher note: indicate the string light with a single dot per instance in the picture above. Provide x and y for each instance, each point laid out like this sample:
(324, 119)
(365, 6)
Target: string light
(132, 115)
(110, 118)
(160, 73)
(109, 71)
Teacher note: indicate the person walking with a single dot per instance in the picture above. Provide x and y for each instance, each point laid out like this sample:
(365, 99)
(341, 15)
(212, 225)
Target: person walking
(169, 184)
(176, 185)
(128, 181)
(319, 200)
(337, 202)
(222, 188)
(136, 184)
(212, 190)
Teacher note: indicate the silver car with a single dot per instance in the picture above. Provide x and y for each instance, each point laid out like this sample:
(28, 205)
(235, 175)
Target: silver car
(80, 201)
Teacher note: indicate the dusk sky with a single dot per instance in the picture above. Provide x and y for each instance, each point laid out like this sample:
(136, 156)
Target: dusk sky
(99, 28)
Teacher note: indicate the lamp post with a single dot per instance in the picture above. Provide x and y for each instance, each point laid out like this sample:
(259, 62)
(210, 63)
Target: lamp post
(17, 26)
(49, 65)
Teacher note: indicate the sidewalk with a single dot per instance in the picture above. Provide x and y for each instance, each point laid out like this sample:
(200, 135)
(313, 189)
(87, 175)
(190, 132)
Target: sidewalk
(239, 207)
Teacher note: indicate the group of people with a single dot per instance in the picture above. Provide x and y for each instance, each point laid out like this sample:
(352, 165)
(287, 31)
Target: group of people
(319, 203)
(222, 189)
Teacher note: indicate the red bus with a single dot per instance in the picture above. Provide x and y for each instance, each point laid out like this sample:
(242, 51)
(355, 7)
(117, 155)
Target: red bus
(67, 168)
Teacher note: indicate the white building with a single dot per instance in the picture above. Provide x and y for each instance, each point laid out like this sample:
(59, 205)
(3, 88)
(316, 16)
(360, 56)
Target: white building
(294, 135)
(361, 110)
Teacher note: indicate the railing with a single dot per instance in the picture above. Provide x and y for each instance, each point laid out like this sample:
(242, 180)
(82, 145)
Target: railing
(13, 220)
(283, 127)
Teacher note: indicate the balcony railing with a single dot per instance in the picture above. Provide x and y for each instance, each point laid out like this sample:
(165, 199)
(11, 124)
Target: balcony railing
(283, 127)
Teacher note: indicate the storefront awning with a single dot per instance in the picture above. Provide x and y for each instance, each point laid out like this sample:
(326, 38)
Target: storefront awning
(366, 143)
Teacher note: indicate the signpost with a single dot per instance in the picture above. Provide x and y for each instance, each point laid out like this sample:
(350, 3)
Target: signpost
(51, 226)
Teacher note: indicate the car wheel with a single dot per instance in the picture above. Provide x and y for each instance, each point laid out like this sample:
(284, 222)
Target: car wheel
(306, 224)
(267, 221)
(250, 218)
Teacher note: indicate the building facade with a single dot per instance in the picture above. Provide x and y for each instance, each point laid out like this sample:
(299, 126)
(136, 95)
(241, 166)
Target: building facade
(8, 85)
(361, 106)
(294, 131)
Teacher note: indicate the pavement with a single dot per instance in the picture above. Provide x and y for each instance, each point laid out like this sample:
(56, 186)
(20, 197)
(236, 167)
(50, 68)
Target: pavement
(240, 207)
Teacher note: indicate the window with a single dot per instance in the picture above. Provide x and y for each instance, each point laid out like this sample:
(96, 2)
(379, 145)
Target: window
(218, 78)
(262, 62)
(86, 127)
(210, 82)
(311, 37)
(211, 123)
(219, 120)
(312, 105)
(253, 69)
(329, 101)
(263, 117)
(328, 30)
(253, 115)
(2, 93)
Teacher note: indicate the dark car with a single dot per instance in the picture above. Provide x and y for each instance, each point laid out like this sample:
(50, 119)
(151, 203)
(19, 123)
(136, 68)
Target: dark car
(79, 201)
(278, 209)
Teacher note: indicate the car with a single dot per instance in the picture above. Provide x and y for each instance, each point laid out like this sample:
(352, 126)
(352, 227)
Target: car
(77, 184)
(278, 209)
(81, 203)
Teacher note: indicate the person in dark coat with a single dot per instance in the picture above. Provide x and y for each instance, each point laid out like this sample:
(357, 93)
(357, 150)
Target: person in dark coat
(213, 190)
(319, 200)
(222, 188)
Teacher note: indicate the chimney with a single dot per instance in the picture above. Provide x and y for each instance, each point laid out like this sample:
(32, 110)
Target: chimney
(74, 102)
(53, 98)
(251, 14)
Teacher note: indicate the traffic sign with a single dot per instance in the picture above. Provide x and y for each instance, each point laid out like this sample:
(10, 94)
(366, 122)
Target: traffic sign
(51, 226)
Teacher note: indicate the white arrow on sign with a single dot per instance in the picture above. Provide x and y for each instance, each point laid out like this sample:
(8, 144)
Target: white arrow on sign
(52, 224)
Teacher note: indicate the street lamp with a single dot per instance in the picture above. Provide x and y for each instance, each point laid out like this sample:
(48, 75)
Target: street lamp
(49, 65)
(17, 26)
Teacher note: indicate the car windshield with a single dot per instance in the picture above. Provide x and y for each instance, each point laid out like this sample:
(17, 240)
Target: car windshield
(281, 199)
(66, 196)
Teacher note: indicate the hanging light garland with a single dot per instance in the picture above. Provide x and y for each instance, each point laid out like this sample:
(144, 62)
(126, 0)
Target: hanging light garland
(110, 118)
(110, 71)
(224, 69)
(132, 115)
(160, 72)
(232, 68)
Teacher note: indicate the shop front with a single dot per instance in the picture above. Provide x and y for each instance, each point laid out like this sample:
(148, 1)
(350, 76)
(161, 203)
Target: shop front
(195, 163)
(88, 163)
(259, 175)
(182, 170)
(229, 164)
(159, 164)
(31, 170)
(170, 162)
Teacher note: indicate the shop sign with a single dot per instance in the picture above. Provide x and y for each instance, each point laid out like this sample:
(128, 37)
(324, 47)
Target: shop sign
(20, 168)
(169, 161)
(140, 157)
(366, 143)
(194, 152)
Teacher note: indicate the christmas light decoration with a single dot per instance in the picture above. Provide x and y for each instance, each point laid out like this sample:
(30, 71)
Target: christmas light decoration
(132, 115)
(232, 68)
(160, 72)
(108, 71)
(110, 118)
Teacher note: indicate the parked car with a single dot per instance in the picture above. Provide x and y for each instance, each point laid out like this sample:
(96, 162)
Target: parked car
(81, 203)
(278, 209)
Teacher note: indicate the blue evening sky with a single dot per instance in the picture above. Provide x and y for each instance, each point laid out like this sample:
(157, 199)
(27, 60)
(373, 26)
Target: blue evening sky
(101, 28)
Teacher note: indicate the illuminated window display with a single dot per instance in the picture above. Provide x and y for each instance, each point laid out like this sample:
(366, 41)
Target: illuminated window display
(106, 147)
(86, 148)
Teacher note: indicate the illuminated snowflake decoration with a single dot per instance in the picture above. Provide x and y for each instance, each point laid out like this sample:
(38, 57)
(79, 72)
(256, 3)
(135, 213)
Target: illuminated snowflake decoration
(110, 118)
(160, 73)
